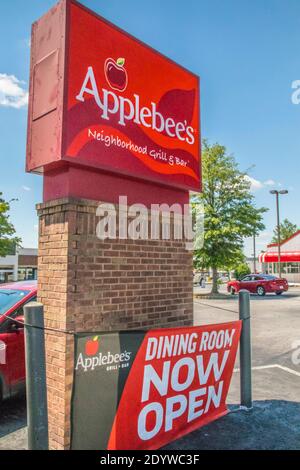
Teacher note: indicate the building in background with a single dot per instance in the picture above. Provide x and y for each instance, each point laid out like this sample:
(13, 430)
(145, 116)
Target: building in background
(19, 266)
(290, 258)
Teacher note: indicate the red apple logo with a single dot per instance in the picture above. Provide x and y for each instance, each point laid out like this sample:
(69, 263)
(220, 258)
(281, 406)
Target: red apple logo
(92, 346)
(115, 74)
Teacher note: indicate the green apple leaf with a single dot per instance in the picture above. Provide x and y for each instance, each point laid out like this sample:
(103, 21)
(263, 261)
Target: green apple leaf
(121, 61)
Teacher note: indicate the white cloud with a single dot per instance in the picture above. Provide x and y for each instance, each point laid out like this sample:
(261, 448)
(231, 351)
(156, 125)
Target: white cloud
(255, 184)
(26, 188)
(269, 183)
(12, 92)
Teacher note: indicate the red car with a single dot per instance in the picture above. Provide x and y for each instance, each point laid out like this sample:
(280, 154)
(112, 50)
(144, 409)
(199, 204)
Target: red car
(260, 284)
(13, 297)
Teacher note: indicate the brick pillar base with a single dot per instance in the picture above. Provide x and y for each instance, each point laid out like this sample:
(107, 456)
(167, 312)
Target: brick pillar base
(87, 284)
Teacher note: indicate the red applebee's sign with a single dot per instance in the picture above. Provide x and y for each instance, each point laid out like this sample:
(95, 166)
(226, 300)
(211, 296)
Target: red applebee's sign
(125, 108)
(130, 109)
(146, 389)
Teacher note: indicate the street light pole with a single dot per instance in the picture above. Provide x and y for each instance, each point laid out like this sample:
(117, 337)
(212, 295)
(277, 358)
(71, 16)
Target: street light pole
(278, 235)
(254, 252)
(274, 191)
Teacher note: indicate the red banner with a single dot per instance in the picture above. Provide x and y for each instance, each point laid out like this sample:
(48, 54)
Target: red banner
(102, 99)
(129, 109)
(163, 383)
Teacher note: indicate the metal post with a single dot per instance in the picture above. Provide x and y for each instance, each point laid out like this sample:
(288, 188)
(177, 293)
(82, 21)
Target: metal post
(277, 193)
(37, 416)
(245, 351)
(254, 253)
(278, 234)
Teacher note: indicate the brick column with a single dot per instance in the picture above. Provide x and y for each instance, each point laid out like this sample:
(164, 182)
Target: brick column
(87, 284)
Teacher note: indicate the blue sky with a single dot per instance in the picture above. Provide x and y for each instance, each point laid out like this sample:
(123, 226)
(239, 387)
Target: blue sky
(247, 55)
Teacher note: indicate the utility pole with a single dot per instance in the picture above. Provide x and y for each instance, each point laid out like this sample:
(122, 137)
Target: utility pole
(254, 252)
(274, 191)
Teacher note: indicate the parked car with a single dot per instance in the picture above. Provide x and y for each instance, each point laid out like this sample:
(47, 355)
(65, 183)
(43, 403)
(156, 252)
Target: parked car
(260, 284)
(13, 297)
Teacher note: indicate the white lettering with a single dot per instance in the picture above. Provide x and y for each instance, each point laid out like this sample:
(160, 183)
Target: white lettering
(130, 110)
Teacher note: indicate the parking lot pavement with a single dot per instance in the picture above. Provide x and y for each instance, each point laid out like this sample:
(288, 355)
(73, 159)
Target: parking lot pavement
(271, 425)
(207, 289)
(275, 324)
(274, 422)
(12, 424)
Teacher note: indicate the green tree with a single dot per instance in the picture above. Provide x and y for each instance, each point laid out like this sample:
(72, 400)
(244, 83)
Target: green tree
(230, 214)
(8, 240)
(236, 262)
(241, 270)
(287, 229)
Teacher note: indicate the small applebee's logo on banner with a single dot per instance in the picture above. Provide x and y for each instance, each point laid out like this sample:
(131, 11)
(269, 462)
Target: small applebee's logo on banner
(91, 358)
(2, 353)
(115, 74)
(92, 346)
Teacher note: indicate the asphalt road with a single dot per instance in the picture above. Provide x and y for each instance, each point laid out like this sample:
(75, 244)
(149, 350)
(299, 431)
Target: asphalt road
(275, 324)
(274, 423)
(12, 424)
(275, 329)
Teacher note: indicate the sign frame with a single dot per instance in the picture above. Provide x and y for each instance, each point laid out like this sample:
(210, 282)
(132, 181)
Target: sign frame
(47, 150)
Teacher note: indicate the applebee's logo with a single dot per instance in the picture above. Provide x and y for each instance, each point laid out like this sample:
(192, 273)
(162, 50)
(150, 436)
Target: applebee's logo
(92, 358)
(115, 74)
(128, 109)
(92, 346)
